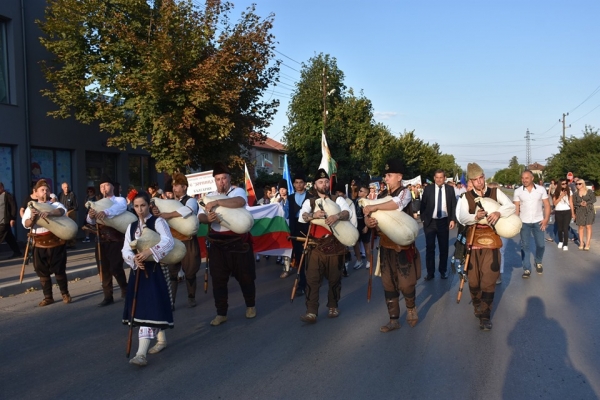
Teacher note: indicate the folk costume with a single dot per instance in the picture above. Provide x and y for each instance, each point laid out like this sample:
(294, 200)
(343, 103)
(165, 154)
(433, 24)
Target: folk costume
(230, 254)
(49, 254)
(400, 265)
(153, 312)
(484, 264)
(325, 258)
(191, 262)
(111, 243)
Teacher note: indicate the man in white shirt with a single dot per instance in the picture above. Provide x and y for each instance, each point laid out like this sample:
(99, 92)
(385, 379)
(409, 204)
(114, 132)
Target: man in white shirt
(230, 254)
(528, 200)
(111, 241)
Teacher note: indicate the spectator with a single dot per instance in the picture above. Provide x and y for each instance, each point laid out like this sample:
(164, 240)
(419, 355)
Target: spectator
(563, 210)
(416, 201)
(8, 216)
(281, 198)
(28, 198)
(266, 199)
(585, 214)
(363, 230)
(90, 196)
(67, 198)
(533, 207)
(153, 190)
(372, 192)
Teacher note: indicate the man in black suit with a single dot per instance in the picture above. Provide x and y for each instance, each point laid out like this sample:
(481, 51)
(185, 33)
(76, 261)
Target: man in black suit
(298, 228)
(438, 213)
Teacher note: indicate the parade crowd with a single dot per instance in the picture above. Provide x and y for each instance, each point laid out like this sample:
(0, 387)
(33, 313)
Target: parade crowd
(144, 231)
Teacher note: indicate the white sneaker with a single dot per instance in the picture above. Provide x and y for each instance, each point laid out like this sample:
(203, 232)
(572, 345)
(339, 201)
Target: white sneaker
(358, 264)
(565, 248)
(368, 265)
(560, 245)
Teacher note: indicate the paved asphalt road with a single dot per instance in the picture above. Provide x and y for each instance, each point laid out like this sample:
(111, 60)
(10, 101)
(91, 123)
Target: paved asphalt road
(544, 343)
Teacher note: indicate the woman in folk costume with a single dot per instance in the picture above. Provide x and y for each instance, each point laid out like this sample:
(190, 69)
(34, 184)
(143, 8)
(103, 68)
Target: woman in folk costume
(153, 305)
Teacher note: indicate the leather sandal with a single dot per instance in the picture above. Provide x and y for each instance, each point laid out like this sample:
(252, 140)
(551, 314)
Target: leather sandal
(333, 313)
(309, 318)
(390, 326)
(47, 301)
(285, 274)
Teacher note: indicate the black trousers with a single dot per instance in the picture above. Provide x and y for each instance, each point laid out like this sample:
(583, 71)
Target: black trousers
(48, 261)
(236, 261)
(300, 230)
(562, 220)
(112, 265)
(437, 229)
(6, 234)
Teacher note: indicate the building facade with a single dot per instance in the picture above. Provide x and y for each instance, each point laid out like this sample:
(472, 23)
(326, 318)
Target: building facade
(268, 157)
(34, 145)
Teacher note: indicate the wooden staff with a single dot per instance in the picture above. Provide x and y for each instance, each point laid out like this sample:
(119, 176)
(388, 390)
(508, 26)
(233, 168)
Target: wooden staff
(306, 240)
(206, 268)
(26, 257)
(369, 286)
(467, 259)
(134, 303)
(96, 233)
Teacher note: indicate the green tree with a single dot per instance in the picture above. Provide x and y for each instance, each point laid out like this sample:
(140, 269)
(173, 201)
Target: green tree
(578, 155)
(184, 83)
(510, 175)
(305, 113)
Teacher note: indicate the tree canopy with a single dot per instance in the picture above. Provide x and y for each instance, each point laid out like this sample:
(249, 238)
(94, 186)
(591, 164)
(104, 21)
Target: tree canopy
(578, 155)
(183, 83)
(359, 145)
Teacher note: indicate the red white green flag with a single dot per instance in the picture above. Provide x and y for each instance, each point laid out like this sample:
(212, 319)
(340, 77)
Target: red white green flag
(327, 162)
(270, 231)
(249, 187)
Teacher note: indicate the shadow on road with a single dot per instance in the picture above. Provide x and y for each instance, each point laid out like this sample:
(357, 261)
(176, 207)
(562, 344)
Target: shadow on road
(539, 362)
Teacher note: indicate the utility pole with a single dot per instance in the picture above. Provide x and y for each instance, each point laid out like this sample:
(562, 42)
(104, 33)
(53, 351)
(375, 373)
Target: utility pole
(324, 82)
(564, 126)
(528, 140)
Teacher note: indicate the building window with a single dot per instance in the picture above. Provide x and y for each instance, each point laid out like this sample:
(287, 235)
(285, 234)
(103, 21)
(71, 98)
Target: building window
(139, 171)
(52, 165)
(6, 166)
(4, 92)
(267, 160)
(96, 164)
(281, 162)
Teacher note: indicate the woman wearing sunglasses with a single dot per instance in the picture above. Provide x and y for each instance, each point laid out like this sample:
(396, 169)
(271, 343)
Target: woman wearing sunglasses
(583, 200)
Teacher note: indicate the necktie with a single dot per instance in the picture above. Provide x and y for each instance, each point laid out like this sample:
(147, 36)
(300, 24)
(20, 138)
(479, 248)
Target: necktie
(439, 204)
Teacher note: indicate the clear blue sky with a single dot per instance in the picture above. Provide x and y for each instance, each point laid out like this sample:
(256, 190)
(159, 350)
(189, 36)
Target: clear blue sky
(472, 76)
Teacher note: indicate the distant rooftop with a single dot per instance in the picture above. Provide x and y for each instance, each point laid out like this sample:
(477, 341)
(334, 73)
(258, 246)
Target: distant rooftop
(271, 144)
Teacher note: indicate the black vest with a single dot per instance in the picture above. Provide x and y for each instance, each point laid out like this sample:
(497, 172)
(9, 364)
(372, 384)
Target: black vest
(134, 225)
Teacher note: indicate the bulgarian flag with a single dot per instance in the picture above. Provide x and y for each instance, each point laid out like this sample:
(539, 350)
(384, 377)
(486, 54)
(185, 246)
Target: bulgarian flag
(327, 162)
(249, 188)
(269, 233)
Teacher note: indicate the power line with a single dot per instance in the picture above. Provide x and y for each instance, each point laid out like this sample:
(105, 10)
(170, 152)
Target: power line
(288, 76)
(277, 51)
(293, 69)
(587, 113)
(587, 98)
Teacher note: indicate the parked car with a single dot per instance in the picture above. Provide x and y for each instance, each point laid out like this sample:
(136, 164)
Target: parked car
(589, 185)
